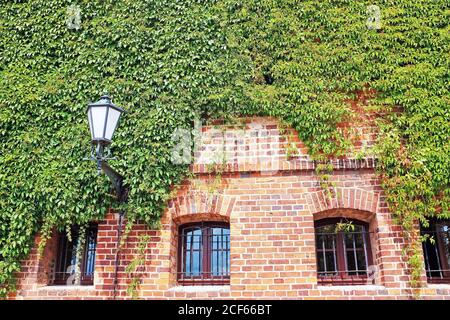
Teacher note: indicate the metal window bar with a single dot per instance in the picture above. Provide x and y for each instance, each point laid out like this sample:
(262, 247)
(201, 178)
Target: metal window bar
(435, 268)
(227, 253)
(60, 275)
(191, 252)
(324, 256)
(334, 255)
(355, 259)
(323, 252)
(89, 257)
(346, 276)
(66, 258)
(204, 257)
(345, 254)
(218, 253)
(427, 263)
(355, 250)
(438, 260)
(366, 257)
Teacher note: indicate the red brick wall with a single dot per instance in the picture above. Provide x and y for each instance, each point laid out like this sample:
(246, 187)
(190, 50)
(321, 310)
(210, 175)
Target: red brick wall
(271, 203)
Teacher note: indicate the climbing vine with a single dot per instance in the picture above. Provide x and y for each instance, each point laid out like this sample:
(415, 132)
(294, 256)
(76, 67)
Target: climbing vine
(167, 61)
(136, 267)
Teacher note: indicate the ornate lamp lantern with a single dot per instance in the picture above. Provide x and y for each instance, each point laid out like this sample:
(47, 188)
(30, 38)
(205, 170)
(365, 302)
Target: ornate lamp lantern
(103, 117)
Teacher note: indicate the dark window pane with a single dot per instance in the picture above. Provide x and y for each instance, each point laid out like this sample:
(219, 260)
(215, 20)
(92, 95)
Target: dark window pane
(326, 238)
(71, 254)
(327, 263)
(354, 239)
(355, 247)
(444, 233)
(66, 259)
(341, 254)
(356, 262)
(350, 260)
(432, 262)
(437, 252)
(362, 261)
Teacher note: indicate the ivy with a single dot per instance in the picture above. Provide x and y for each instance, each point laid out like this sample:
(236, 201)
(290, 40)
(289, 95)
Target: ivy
(168, 62)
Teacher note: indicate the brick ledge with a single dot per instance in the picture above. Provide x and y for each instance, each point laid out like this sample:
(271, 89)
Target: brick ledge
(200, 289)
(366, 287)
(438, 286)
(66, 288)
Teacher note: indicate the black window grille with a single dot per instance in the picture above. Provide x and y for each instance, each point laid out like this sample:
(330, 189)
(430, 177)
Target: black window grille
(437, 251)
(204, 254)
(343, 256)
(66, 259)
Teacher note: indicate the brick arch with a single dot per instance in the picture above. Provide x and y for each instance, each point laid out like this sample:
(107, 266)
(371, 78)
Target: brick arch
(360, 215)
(200, 217)
(201, 205)
(343, 198)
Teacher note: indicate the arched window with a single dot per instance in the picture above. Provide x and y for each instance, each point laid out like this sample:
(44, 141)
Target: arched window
(343, 251)
(66, 258)
(204, 254)
(436, 251)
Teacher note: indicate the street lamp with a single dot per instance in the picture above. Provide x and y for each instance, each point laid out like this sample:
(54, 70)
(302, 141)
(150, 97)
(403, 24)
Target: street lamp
(103, 117)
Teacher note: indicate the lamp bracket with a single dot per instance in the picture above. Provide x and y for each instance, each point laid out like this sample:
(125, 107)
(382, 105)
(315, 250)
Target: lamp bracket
(98, 155)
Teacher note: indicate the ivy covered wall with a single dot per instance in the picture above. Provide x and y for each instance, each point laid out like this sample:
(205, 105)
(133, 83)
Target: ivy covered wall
(168, 62)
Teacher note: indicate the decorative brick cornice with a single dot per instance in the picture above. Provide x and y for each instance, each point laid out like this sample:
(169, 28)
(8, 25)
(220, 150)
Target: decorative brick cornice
(284, 165)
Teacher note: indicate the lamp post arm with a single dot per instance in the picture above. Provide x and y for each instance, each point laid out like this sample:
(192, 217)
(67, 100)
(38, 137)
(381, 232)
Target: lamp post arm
(116, 179)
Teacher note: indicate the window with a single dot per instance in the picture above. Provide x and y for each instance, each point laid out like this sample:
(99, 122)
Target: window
(343, 253)
(437, 251)
(66, 260)
(204, 254)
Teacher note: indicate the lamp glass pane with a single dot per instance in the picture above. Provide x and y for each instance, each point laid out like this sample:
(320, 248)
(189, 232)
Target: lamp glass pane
(98, 121)
(89, 114)
(113, 118)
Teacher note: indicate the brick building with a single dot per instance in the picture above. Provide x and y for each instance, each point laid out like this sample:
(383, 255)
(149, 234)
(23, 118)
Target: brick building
(257, 224)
